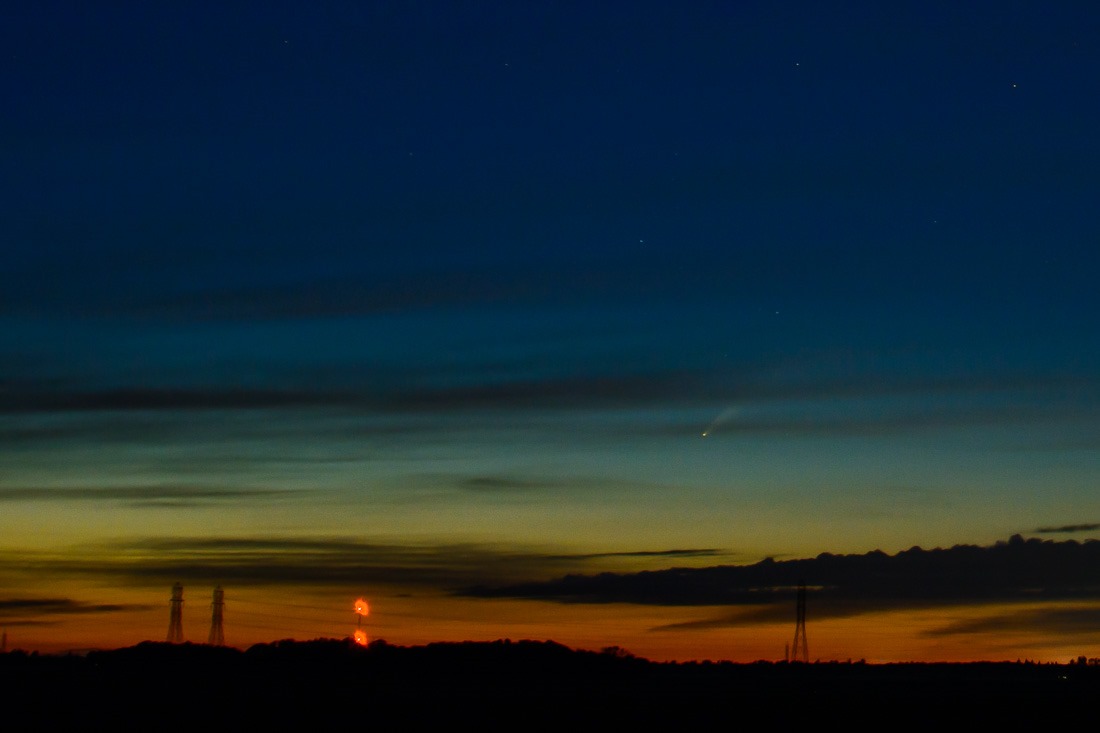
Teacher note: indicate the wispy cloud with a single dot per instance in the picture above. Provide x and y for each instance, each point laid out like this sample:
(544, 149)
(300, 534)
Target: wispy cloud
(594, 390)
(548, 392)
(317, 562)
(703, 552)
(14, 608)
(71, 400)
(1080, 622)
(499, 484)
(864, 420)
(777, 607)
(145, 496)
(1068, 529)
(505, 484)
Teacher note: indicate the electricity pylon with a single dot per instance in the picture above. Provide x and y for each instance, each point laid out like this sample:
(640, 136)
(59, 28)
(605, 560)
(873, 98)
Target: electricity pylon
(801, 651)
(175, 618)
(217, 630)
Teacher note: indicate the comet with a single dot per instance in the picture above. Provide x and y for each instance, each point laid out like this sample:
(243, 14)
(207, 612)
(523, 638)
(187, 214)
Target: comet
(723, 417)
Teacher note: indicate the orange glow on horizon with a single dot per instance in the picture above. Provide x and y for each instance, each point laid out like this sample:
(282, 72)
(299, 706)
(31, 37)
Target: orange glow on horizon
(689, 633)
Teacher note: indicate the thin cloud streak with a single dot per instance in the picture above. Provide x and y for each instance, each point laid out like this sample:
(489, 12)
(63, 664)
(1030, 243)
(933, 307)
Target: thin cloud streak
(16, 607)
(779, 608)
(499, 484)
(512, 484)
(1068, 529)
(1073, 622)
(139, 495)
(705, 552)
(164, 399)
(1082, 623)
(329, 562)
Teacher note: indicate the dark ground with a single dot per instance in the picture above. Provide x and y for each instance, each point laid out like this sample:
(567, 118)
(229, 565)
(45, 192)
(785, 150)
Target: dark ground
(523, 685)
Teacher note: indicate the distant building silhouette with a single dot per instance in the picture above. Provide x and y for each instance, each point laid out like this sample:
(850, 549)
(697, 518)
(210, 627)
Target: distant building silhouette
(175, 617)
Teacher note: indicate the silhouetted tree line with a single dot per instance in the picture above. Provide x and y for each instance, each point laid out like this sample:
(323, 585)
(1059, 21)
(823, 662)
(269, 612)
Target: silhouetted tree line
(332, 683)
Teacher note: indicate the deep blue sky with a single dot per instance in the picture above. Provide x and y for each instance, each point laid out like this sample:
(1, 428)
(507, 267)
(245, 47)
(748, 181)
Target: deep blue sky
(267, 161)
(484, 272)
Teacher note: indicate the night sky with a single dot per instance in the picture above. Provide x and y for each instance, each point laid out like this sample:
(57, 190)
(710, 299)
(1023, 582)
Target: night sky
(433, 302)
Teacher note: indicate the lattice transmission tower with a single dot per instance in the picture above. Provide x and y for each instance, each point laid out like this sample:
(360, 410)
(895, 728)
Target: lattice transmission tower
(800, 652)
(217, 610)
(175, 617)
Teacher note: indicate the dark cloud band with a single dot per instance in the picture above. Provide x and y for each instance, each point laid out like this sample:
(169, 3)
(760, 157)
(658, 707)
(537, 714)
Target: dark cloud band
(1068, 529)
(1016, 570)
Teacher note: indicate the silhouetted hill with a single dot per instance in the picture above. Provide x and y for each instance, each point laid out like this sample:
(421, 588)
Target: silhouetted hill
(332, 684)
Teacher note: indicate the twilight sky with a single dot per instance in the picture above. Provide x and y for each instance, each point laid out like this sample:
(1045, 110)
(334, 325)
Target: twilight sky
(438, 303)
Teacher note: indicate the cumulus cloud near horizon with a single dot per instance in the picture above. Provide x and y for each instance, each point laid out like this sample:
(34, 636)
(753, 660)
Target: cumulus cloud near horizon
(844, 585)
